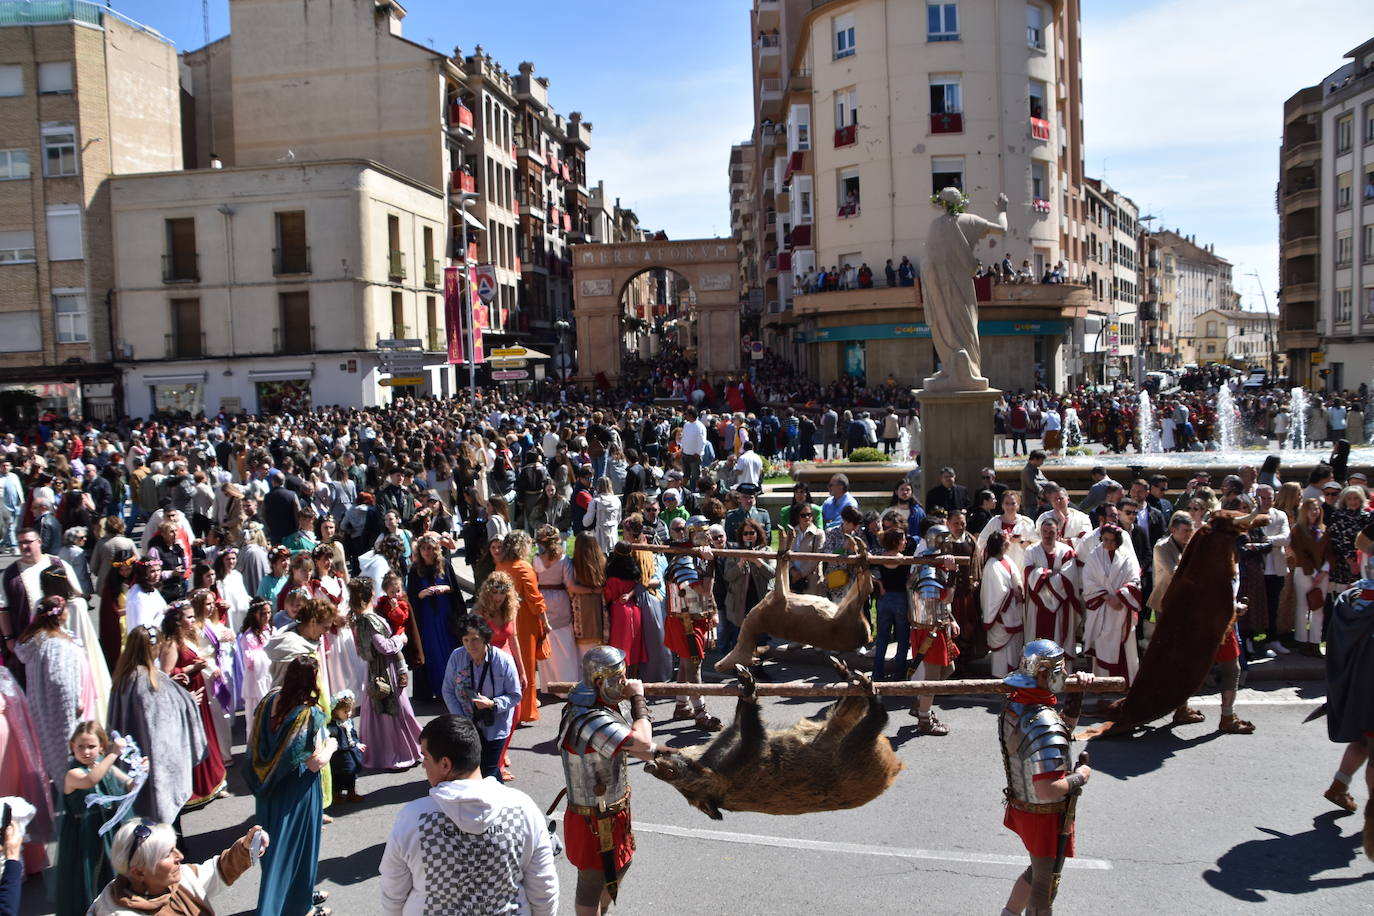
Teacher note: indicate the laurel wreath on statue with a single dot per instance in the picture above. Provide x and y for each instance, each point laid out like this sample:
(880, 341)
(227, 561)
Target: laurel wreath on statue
(954, 209)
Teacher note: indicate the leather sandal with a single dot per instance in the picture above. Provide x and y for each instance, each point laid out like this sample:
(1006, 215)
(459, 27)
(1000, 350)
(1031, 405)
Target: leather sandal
(682, 711)
(1186, 715)
(931, 726)
(1234, 725)
(707, 722)
(1340, 796)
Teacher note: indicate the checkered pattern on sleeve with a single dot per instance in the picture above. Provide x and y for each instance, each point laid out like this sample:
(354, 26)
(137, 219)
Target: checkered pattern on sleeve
(467, 873)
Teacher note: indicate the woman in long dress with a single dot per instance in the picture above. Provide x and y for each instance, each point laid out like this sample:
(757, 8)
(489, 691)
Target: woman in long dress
(257, 667)
(179, 660)
(164, 719)
(288, 748)
(230, 588)
(532, 621)
(57, 581)
(387, 725)
(22, 771)
(60, 690)
(554, 572)
(346, 668)
(435, 605)
(113, 598)
(215, 642)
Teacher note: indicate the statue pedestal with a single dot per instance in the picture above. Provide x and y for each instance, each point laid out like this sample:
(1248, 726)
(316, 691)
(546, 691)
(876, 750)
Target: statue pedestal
(956, 432)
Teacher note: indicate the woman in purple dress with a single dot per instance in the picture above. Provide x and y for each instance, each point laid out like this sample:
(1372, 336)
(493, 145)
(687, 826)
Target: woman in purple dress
(388, 725)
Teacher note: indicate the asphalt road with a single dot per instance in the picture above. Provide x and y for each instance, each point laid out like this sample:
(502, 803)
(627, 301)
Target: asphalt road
(1175, 821)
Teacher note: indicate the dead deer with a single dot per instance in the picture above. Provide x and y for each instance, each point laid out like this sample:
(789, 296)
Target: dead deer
(813, 620)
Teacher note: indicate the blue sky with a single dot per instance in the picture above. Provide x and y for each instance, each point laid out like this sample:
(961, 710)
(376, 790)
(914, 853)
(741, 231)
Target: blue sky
(1183, 99)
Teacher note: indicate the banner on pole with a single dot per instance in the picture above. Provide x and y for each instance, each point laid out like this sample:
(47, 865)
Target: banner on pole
(453, 315)
(479, 316)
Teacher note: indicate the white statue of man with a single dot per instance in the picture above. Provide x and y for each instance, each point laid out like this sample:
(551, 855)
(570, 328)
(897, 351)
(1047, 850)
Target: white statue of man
(951, 306)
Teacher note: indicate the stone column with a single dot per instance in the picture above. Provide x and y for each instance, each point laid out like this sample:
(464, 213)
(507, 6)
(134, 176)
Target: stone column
(956, 432)
(718, 338)
(598, 343)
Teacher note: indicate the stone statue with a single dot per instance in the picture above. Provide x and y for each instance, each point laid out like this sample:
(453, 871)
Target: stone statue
(951, 306)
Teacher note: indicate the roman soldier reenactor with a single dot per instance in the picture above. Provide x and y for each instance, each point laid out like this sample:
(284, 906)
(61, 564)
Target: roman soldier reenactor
(1042, 785)
(593, 740)
(691, 625)
(933, 628)
(963, 585)
(1350, 694)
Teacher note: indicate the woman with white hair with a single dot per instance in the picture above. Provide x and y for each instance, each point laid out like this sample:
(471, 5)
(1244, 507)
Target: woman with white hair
(151, 879)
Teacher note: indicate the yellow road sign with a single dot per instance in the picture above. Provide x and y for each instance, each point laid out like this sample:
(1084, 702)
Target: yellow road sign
(396, 382)
(512, 352)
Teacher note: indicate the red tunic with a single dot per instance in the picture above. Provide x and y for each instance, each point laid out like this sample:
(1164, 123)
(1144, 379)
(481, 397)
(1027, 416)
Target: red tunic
(1229, 650)
(626, 630)
(1038, 832)
(584, 848)
(676, 638)
(207, 777)
(942, 650)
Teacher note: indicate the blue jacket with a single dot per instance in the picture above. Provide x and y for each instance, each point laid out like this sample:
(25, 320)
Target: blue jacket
(497, 680)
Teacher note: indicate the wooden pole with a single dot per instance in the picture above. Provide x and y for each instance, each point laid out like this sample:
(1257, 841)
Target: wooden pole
(972, 687)
(873, 560)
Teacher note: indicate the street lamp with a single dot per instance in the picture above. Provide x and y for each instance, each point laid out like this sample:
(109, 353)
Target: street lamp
(563, 366)
(465, 200)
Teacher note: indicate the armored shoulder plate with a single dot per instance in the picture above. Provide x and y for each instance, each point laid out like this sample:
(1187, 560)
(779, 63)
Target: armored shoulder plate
(1035, 741)
(587, 729)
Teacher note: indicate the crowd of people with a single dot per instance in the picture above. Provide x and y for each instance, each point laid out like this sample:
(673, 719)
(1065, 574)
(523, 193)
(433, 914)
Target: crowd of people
(301, 573)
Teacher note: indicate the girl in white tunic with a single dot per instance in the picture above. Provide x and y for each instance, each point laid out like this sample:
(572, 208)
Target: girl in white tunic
(554, 571)
(1003, 599)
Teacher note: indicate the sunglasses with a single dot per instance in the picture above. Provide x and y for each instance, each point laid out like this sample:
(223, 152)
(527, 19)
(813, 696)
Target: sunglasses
(141, 833)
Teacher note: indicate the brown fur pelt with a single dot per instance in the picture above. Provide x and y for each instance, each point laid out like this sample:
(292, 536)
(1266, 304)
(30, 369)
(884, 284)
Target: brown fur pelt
(813, 620)
(1197, 610)
(842, 761)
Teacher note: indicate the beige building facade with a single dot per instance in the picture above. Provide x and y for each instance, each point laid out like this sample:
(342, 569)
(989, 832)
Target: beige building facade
(267, 287)
(84, 94)
(865, 108)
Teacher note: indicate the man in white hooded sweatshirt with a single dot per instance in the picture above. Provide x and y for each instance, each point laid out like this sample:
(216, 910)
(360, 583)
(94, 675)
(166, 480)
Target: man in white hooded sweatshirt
(472, 845)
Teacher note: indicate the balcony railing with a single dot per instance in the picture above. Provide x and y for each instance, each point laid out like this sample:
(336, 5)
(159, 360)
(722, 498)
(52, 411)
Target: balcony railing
(177, 348)
(948, 122)
(846, 136)
(293, 340)
(1040, 129)
(434, 341)
(396, 265)
(846, 211)
(181, 268)
(1040, 205)
(432, 273)
(460, 118)
(288, 261)
(463, 183)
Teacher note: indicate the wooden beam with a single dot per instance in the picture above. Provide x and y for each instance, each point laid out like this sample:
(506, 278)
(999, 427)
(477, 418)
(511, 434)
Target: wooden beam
(873, 559)
(972, 687)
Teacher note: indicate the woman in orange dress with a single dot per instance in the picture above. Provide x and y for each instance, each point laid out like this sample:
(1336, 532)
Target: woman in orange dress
(531, 621)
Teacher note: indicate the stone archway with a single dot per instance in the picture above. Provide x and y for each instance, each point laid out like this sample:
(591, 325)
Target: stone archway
(601, 272)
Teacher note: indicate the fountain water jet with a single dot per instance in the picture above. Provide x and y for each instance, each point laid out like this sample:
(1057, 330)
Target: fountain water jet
(1146, 426)
(1226, 419)
(1297, 408)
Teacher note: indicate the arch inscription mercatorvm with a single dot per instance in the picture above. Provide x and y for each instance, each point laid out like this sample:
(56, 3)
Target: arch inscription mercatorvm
(600, 273)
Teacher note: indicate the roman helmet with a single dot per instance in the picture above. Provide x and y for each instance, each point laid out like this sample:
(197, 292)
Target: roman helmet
(1042, 665)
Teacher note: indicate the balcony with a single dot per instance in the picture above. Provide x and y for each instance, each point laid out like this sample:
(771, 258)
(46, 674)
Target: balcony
(181, 268)
(396, 265)
(795, 163)
(1294, 293)
(185, 346)
(769, 48)
(846, 211)
(770, 13)
(432, 273)
(434, 341)
(1040, 129)
(1306, 151)
(461, 182)
(800, 80)
(833, 302)
(770, 97)
(288, 262)
(298, 339)
(947, 122)
(531, 207)
(846, 136)
(1298, 246)
(784, 261)
(1040, 205)
(460, 119)
(800, 237)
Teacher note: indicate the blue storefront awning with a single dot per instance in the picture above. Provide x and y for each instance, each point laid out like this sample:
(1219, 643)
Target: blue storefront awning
(1050, 327)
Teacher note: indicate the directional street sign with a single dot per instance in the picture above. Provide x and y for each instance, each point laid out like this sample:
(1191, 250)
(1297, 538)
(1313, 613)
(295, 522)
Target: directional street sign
(508, 352)
(510, 375)
(399, 343)
(397, 381)
(510, 363)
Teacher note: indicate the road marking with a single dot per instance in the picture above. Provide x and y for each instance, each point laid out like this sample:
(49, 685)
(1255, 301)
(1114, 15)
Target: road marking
(1258, 699)
(860, 849)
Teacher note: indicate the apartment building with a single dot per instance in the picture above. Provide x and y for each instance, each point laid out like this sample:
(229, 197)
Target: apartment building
(848, 154)
(1326, 218)
(745, 233)
(1233, 336)
(1157, 309)
(265, 288)
(1115, 230)
(84, 94)
(1194, 279)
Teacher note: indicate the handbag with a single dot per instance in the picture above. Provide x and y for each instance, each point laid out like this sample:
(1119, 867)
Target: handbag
(1315, 599)
(379, 688)
(837, 578)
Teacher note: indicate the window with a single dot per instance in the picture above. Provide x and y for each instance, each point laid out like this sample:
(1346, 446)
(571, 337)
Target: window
(1035, 28)
(944, 95)
(432, 322)
(186, 337)
(1344, 246)
(16, 247)
(1369, 123)
(1039, 181)
(1036, 91)
(180, 263)
(942, 22)
(11, 80)
(1343, 191)
(846, 108)
(848, 193)
(295, 335)
(14, 163)
(64, 233)
(1368, 303)
(1367, 244)
(292, 253)
(20, 332)
(843, 27)
(1211, 329)
(1345, 128)
(1343, 306)
(1211, 349)
(804, 205)
(70, 319)
(398, 316)
(396, 260)
(946, 172)
(59, 150)
(1369, 185)
(55, 76)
